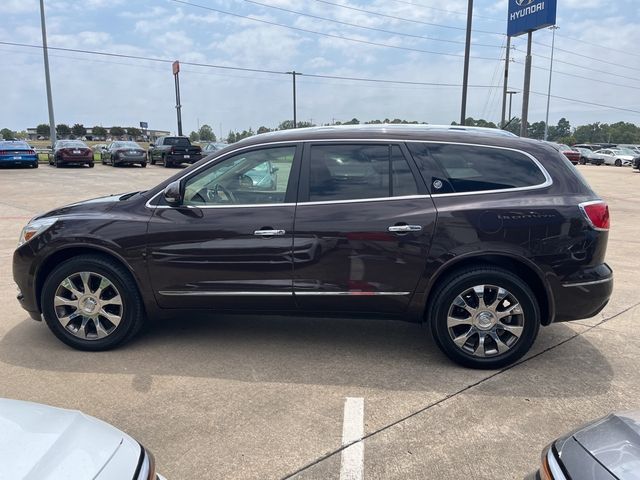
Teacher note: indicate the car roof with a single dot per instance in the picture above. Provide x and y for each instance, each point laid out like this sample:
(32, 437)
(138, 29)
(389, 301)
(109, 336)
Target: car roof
(393, 132)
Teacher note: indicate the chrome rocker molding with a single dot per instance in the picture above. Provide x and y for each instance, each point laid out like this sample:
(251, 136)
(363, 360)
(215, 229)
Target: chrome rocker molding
(182, 293)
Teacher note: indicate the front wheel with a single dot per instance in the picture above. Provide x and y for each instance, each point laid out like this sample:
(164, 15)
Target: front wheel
(152, 160)
(143, 164)
(92, 303)
(618, 162)
(484, 317)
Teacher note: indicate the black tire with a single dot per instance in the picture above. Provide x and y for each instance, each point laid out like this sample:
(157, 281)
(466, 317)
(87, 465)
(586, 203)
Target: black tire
(618, 162)
(583, 161)
(167, 163)
(453, 286)
(152, 160)
(91, 164)
(35, 165)
(58, 163)
(103, 161)
(143, 164)
(132, 307)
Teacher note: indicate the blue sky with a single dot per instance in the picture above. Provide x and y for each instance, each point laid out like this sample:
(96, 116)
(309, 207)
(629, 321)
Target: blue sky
(93, 90)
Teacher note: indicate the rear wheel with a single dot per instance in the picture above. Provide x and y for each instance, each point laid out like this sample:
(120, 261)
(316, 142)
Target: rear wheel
(166, 162)
(91, 164)
(484, 317)
(92, 303)
(58, 163)
(143, 164)
(618, 162)
(35, 165)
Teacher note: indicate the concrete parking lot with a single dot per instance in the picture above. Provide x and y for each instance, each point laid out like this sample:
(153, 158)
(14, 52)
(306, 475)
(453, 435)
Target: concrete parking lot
(242, 397)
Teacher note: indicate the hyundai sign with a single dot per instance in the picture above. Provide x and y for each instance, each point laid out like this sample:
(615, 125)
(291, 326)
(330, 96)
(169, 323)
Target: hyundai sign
(529, 15)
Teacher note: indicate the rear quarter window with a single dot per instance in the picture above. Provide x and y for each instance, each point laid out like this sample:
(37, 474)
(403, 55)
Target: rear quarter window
(451, 168)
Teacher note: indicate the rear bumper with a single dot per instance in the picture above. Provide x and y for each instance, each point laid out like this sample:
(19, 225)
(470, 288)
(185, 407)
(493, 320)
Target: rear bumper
(584, 294)
(131, 159)
(25, 160)
(76, 160)
(182, 158)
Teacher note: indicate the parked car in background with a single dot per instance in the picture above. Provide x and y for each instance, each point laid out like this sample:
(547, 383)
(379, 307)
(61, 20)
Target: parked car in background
(617, 156)
(634, 148)
(589, 156)
(16, 152)
(591, 146)
(423, 225)
(71, 152)
(48, 443)
(636, 163)
(213, 147)
(567, 151)
(172, 151)
(124, 153)
(606, 449)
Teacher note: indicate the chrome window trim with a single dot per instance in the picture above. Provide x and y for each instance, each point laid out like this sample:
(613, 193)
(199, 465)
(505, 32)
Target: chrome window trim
(584, 284)
(547, 183)
(360, 200)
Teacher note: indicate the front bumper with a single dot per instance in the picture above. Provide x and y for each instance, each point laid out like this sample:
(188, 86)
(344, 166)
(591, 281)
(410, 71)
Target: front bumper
(584, 294)
(24, 277)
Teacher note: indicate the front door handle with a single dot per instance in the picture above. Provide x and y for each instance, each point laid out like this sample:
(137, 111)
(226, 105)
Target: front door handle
(269, 233)
(405, 228)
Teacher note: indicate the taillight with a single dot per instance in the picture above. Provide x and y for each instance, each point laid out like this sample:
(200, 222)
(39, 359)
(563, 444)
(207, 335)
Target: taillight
(597, 214)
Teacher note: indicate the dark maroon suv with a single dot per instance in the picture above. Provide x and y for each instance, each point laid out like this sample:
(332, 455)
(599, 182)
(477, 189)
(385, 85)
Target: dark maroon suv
(481, 235)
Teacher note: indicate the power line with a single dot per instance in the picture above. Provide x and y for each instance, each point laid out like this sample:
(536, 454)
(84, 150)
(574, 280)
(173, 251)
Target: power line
(311, 75)
(615, 64)
(454, 12)
(330, 35)
(588, 103)
(243, 69)
(600, 46)
(420, 22)
(424, 37)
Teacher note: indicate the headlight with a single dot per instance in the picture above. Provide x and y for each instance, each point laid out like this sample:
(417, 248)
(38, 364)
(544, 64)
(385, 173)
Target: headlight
(148, 467)
(35, 228)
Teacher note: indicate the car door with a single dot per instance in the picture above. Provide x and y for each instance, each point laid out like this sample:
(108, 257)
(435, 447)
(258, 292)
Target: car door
(229, 245)
(363, 228)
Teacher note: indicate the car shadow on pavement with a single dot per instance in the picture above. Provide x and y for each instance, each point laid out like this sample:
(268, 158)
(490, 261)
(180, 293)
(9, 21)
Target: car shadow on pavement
(386, 355)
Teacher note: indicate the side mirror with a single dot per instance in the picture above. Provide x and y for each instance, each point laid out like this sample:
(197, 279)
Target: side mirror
(151, 145)
(173, 194)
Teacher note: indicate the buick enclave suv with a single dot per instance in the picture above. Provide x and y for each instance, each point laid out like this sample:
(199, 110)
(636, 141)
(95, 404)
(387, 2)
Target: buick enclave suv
(484, 237)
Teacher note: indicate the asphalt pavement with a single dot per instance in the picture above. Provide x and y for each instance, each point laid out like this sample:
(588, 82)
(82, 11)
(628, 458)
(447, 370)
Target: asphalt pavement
(248, 397)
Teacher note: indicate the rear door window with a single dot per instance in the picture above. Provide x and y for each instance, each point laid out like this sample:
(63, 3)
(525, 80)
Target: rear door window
(359, 171)
(453, 168)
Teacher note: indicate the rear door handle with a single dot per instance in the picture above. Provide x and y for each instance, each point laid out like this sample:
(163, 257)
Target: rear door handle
(269, 233)
(405, 228)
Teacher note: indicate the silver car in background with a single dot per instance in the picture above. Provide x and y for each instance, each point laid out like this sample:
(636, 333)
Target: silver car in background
(617, 156)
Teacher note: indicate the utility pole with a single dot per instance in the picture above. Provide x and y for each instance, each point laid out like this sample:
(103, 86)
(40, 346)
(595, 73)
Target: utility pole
(527, 86)
(465, 78)
(511, 93)
(293, 73)
(553, 45)
(52, 123)
(176, 77)
(506, 83)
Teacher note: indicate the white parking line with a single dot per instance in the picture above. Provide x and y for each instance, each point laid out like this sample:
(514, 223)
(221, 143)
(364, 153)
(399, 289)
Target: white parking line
(352, 460)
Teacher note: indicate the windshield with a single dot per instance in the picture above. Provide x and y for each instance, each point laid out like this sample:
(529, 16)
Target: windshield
(178, 141)
(14, 145)
(126, 145)
(624, 151)
(71, 143)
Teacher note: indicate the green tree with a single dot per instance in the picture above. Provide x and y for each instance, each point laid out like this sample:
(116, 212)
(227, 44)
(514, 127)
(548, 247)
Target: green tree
(134, 132)
(285, 125)
(22, 135)
(63, 130)
(263, 130)
(592, 133)
(116, 131)
(536, 130)
(231, 138)
(43, 130)
(513, 126)
(78, 130)
(563, 129)
(353, 121)
(7, 134)
(99, 131)
(624, 132)
(194, 137)
(206, 133)
(304, 124)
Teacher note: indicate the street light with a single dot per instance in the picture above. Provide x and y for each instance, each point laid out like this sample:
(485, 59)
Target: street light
(52, 123)
(553, 28)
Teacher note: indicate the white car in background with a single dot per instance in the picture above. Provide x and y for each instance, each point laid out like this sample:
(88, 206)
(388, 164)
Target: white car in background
(617, 156)
(47, 443)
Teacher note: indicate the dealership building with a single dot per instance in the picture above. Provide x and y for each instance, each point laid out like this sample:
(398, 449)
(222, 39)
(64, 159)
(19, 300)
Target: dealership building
(147, 133)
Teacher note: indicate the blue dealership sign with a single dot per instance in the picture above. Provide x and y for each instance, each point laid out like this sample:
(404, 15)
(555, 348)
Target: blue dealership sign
(529, 15)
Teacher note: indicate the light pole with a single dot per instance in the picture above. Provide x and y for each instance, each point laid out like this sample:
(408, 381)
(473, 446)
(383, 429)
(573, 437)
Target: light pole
(465, 77)
(52, 123)
(293, 73)
(506, 82)
(553, 28)
(511, 93)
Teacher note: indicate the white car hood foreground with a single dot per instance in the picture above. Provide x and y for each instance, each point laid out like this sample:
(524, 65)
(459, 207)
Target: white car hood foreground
(45, 443)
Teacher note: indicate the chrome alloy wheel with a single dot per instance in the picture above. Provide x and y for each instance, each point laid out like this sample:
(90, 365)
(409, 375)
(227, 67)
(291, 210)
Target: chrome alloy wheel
(88, 305)
(485, 321)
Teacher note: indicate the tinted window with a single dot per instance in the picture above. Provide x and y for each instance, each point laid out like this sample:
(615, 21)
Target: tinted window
(474, 168)
(352, 172)
(177, 141)
(255, 177)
